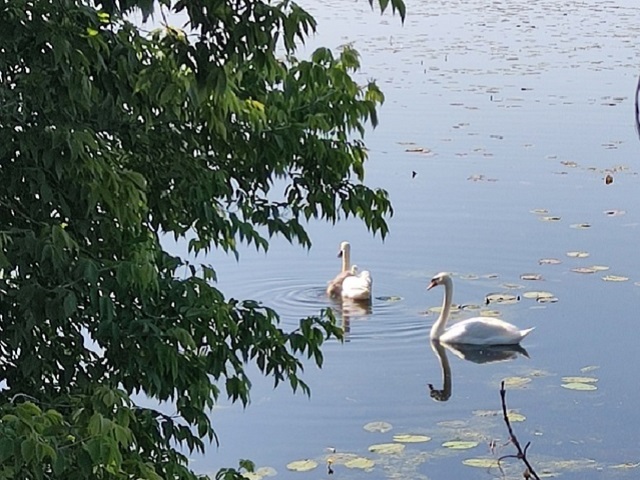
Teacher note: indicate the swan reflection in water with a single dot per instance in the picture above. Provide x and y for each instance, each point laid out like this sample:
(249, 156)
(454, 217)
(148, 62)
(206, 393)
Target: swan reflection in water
(350, 308)
(472, 353)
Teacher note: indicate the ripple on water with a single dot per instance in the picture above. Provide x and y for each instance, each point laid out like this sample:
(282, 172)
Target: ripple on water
(384, 317)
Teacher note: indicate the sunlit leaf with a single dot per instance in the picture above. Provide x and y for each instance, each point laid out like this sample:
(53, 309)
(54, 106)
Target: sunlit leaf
(535, 295)
(481, 462)
(302, 465)
(260, 473)
(580, 225)
(550, 218)
(589, 368)
(615, 278)
(531, 276)
(407, 438)
(378, 427)
(490, 313)
(386, 448)
(500, 298)
(516, 382)
(360, 462)
(579, 379)
(539, 211)
(516, 417)
(549, 261)
(626, 466)
(460, 444)
(579, 386)
(577, 254)
(586, 270)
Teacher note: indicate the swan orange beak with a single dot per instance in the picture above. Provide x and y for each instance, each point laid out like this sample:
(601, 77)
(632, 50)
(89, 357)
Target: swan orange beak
(432, 284)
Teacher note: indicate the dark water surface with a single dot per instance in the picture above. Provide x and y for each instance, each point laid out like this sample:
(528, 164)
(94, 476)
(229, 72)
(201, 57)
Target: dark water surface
(518, 110)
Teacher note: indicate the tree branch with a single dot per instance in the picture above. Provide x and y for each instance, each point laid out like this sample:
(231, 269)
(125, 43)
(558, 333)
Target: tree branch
(522, 454)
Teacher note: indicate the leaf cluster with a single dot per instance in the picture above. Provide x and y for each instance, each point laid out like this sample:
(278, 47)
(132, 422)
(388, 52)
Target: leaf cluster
(113, 140)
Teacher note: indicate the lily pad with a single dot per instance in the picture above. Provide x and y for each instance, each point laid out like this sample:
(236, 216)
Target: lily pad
(302, 465)
(386, 448)
(549, 261)
(260, 473)
(579, 386)
(516, 417)
(579, 379)
(539, 211)
(362, 463)
(489, 313)
(550, 218)
(460, 444)
(615, 278)
(583, 270)
(531, 276)
(535, 295)
(390, 299)
(378, 427)
(500, 298)
(581, 225)
(407, 438)
(516, 382)
(589, 368)
(577, 254)
(481, 462)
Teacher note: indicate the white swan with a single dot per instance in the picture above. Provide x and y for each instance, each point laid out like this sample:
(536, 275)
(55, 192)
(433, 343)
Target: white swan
(334, 288)
(358, 285)
(473, 331)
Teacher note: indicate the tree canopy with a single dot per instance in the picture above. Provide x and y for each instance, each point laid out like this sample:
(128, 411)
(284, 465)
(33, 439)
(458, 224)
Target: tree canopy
(112, 137)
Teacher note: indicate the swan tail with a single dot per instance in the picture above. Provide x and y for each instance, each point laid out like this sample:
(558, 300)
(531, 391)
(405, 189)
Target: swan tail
(526, 332)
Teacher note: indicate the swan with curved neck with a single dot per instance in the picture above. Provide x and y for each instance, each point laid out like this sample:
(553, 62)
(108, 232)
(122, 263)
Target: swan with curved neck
(473, 331)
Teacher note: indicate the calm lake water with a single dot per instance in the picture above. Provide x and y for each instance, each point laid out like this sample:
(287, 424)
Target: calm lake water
(511, 114)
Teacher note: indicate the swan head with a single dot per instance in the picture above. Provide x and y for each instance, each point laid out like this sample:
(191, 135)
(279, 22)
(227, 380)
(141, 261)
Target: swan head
(441, 278)
(345, 247)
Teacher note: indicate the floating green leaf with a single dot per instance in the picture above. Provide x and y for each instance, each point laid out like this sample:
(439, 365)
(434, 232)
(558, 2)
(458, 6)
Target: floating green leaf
(581, 225)
(516, 417)
(378, 427)
(408, 438)
(589, 368)
(489, 313)
(386, 448)
(583, 270)
(579, 386)
(577, 254)
(481, 462)
(538, 295)
(549, 261)
(539, 211)
(516, 382)
(615, 278)
(302, 465)
(626, 466)
(390, 299)
(531, 276)
(460, 444)
(360, 462)
(260, 473)
(550, 218)
(500, 298)
(579, 379)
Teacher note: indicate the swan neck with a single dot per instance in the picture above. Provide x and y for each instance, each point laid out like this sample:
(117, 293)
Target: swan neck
(346, 260)
(438, 328)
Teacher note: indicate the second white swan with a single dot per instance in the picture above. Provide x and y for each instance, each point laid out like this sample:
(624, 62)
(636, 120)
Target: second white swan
(473, 331)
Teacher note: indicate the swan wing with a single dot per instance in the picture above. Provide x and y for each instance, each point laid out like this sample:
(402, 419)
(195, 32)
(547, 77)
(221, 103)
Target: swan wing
(334, 288)
(484, 331)
(357, 287)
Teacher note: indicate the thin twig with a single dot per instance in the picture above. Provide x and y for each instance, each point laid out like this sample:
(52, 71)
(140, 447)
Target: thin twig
(522, 454)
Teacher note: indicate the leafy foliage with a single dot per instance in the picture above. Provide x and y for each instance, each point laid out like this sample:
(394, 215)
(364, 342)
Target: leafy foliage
(111, 139)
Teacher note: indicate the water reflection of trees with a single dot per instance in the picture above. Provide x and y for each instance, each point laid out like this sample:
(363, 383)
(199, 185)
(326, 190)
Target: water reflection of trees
(471, 353)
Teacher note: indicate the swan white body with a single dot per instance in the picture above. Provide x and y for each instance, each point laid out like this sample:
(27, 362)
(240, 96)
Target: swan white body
(350, 283)
(358, 285)
(473, 331)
